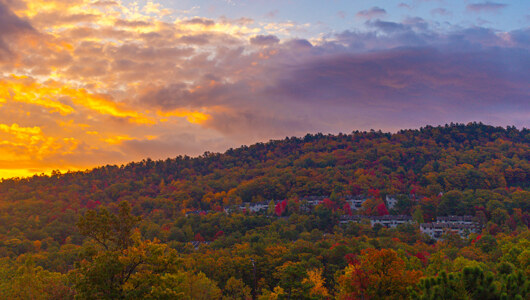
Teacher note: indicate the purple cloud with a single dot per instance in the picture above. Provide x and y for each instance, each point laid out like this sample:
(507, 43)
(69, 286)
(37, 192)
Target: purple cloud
(485, 7)
(10, 25)
(264, 40)
(408, 77)
(200, 21)
(371, 13)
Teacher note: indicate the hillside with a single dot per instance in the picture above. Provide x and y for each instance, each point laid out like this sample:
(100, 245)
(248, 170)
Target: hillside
(474, 169)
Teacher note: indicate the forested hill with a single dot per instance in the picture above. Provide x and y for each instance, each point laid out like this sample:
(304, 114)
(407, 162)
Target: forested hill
(424, 162)
(76, 233)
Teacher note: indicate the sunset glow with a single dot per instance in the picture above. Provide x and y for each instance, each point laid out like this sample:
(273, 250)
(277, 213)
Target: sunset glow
(85, 83)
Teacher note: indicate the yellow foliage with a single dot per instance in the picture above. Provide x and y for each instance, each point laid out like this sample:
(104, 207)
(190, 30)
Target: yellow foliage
(314, 277)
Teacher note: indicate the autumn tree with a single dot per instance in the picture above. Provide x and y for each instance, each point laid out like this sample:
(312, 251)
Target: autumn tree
(376, 274)
(317, 282)
(236, 289)
(121, 265)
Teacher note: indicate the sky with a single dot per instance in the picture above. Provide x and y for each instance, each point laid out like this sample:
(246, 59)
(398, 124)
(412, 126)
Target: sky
(85, 83)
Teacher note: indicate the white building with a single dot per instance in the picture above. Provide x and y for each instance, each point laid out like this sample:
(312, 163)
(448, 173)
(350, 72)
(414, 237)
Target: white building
(255, 207)
(390, 221)
(436, 230)
(470, 220)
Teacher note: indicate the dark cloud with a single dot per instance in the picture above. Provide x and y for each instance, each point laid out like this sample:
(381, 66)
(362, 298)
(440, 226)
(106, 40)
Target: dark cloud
(387, 27)
(371, 13)
(10, 26)
(197, 39)
(410, 76)
(299, 44)
(264, 40)
(168, 97)
(485, 7)
(200, 21)
(521, 37)
(127, 23)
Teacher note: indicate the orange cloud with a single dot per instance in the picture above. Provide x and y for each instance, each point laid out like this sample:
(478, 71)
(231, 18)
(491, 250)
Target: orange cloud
(52, 95)
(19, 91)
(194, 117)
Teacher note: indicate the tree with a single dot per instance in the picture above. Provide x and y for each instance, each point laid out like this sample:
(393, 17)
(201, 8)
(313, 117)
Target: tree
(291, 275)
(515, 286)
(450, 203)
(417, 215)
(183, 285)
(112, 231)
(376, 274)
(124, 266)
(27, 281)
(471, 283)
(442, 287)
(236, 289)
(314, 278)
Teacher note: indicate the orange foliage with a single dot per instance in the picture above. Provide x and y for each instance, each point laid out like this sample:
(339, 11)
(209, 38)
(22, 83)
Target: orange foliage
(377, 274)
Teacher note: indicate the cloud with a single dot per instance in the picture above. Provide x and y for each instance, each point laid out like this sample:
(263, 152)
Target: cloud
(127, 23)
(374, 12)
(264, 40)
(125, 84)
(387, 27)
(10, 26)
(485, 7)
(200, 21)
(105, 3)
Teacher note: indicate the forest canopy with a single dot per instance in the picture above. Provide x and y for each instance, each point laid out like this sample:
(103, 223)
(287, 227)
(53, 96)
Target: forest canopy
(169, 227)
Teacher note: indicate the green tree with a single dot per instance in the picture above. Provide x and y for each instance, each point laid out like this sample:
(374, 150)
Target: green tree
(122, 265)
(112, 231)
(236, 289)
(27, 281)
(471, 283)
(184, 285)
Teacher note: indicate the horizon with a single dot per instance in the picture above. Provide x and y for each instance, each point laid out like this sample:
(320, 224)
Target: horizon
(49, 173)
(88, 83)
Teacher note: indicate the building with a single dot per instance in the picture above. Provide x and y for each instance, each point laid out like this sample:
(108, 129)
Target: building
(436, 230)
(344, 219)
(390, 221)
(356, 202)
(313, 200)
(470, 220)
(307, 203)
(387, 221)
(255, 207)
